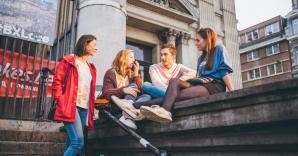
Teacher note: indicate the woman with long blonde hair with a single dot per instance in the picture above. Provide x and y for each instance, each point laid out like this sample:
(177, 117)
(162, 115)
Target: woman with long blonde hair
(213, 76)
(124, 81)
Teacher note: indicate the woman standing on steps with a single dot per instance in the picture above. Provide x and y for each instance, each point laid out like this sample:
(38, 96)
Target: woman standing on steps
(74, 88)
(213, 76)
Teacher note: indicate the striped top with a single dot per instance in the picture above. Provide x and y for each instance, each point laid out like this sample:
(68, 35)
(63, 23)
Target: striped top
(160, 76)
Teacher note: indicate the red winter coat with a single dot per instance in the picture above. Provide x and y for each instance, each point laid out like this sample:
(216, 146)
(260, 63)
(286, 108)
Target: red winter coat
(66, 103)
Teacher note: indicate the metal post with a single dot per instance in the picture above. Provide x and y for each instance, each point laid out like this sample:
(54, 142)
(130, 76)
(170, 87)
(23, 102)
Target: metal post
(135, 135)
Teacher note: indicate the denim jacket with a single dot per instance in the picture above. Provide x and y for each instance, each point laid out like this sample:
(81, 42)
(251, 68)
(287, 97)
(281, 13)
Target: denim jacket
(221, 64)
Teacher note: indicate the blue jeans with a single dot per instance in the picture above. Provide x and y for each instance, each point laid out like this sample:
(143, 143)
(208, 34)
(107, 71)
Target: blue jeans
(141, 98)
(153, 91)
(76, 132)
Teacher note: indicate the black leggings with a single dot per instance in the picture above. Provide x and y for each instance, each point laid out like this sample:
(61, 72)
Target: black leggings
(177, 90)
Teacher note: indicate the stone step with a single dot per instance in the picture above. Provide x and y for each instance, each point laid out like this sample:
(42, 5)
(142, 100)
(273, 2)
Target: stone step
(14, 142)
(32, 136)
(30, 148)
(255, 121)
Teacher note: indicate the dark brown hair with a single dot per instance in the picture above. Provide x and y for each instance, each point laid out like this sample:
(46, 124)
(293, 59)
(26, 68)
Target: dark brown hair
(210, 38)
(171, 48)
(80, 48)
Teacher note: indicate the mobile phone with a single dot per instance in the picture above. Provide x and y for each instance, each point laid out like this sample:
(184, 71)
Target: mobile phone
(133, 67)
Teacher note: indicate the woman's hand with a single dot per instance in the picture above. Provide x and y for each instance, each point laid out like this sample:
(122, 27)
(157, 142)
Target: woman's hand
(136, 67)
(131, 90)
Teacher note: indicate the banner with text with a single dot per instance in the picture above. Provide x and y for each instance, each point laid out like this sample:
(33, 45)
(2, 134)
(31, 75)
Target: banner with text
(32, 20)
(21, 74)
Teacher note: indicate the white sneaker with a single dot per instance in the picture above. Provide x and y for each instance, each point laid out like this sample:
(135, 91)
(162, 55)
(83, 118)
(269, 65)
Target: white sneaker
(139, 117)
(156, 113)
(128, 122)
(126, 106)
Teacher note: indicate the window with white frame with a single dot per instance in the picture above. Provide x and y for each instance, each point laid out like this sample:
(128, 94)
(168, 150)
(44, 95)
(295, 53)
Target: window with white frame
(275, 68)
(273, 49)
(278, 67)
(253, 55)
(272, 28)
(253, 35)
(295, 26)
(296, 54)
(253, 74)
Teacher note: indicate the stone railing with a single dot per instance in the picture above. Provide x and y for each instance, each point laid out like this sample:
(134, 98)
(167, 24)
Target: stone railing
(256, 121)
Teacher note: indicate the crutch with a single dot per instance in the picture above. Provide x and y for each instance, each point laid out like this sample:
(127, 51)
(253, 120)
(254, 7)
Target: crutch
(103, 106)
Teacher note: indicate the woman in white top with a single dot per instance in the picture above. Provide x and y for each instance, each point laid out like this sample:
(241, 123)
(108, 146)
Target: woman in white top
(74, 89)
(161, 73)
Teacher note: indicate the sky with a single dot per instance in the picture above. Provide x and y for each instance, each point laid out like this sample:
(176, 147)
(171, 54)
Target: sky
(251, 12)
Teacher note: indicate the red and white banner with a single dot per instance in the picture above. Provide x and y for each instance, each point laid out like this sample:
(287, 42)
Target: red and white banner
(27, 79)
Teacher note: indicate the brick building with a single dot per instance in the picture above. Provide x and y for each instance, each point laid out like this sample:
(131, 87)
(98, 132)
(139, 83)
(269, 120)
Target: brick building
(264, 53)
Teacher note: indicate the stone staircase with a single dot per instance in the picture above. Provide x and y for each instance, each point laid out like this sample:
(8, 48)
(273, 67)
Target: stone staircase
(256, 121)
(31, 142)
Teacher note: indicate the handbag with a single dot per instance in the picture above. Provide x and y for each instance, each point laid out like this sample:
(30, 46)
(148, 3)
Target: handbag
(200, 80)
(54, 103)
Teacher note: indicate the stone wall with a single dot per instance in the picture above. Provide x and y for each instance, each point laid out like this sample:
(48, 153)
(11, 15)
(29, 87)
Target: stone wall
(256, 121)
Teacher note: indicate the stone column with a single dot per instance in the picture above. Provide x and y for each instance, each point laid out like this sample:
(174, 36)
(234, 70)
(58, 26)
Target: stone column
(168, 37)
(105, 19)
(171, 36)
(182, 48)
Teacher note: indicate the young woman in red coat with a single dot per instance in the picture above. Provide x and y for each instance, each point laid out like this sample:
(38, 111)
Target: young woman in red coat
(74, 88)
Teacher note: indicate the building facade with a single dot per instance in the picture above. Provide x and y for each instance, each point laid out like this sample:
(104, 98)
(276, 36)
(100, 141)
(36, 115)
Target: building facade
(145, 25)
(264, 53)
(142, 25)
(292, 36)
